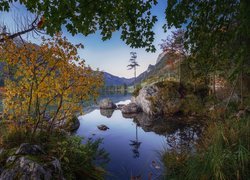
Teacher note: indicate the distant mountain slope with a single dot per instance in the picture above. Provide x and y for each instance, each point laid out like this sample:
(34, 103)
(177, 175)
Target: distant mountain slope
(161, 68)
(157, 70)
(111, 80)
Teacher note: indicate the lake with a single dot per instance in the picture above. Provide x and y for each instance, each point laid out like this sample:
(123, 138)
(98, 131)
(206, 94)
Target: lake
(134, 144)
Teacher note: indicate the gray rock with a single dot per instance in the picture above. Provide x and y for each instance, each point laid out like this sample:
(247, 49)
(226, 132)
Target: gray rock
(55, 168)
(107, 104)
(143, 100)
(131, 108)
(73, 124)
(68, 125)
(25, 169)
(129, 116)
(103, 127)
(1, 150)
(28, 149)
(11, 159)
(120, 106)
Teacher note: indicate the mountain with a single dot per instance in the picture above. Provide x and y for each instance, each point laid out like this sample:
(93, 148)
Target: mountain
(111, 80)
(160, 69)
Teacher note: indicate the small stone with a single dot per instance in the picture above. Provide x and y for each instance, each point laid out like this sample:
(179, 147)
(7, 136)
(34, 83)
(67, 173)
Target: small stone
(103, 127)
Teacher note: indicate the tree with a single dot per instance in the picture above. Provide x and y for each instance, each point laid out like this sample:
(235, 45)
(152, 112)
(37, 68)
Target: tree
(49, 82)
(174, 47)
(217, 34)
(133, 18)
(133, 64)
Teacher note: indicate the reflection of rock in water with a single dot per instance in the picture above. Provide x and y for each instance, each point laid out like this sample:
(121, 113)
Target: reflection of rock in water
(129, 116)
(180, 132)
(157, 125)
(163, 126)
(107, 112)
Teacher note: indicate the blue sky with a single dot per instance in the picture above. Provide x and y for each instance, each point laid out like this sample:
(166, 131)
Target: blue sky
(112, 55)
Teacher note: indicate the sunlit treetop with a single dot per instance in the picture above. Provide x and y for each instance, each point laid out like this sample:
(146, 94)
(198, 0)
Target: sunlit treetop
(133, 18)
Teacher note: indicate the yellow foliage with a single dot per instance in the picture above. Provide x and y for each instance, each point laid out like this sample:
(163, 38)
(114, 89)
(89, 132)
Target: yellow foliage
(50, 79)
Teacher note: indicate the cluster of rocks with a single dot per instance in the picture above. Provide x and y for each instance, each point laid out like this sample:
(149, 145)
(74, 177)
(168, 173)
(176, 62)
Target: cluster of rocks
(22, 164)
(141, 103)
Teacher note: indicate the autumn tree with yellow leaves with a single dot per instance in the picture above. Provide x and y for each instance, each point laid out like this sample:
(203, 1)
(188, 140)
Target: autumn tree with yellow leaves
(48, 83)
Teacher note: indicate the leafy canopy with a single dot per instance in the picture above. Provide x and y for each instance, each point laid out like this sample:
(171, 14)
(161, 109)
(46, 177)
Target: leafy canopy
(217, 32)
(133, 18)
(47, 82)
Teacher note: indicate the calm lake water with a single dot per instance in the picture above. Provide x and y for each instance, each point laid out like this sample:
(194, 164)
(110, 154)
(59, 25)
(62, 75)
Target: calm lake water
(134, 144)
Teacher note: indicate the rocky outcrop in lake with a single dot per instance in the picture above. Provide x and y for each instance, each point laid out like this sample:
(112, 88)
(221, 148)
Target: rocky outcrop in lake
(131, 108)
(107, 104)
(144, 99)
(168, 98)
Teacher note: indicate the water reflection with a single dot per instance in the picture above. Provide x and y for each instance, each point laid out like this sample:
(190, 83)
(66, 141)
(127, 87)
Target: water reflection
(135, 144)
(134, 141)
(107, 112)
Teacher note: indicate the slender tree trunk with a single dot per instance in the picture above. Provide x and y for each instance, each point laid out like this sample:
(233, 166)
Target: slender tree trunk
(241, 88)
(30, 100)
(214, 88)
(134, 77)
(37, 113)
(180, 71)
(55, 116)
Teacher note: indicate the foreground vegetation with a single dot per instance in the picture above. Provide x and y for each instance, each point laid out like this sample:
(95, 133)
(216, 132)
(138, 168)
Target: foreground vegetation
(77, 159)
(222, 153)
(44, 90)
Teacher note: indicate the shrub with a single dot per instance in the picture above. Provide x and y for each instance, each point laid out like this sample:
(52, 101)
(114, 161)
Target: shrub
(137, 90)
(78, 159)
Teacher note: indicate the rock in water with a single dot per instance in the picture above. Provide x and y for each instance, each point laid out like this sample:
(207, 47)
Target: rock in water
(103, 127)
(143, 100)
(107, 104)
(131, 108)
(72, 124)
(120, 106)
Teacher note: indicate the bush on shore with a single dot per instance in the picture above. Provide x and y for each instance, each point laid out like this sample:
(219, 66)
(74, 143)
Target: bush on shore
(222, 153)
(77, 158)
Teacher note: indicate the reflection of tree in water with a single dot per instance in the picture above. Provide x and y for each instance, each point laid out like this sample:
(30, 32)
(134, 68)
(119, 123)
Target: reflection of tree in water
(135, 144)
(185, 137)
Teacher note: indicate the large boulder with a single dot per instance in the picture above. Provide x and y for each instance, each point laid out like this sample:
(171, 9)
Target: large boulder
(159, 98)
(144, 99)
(25, 168)
(72, 124)
(30, 162)
(131, 108)
(107, 104)
(68, 125)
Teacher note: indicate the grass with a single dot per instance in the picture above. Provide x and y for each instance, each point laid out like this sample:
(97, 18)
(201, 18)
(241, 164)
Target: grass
(77, 159)
(222, 153)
